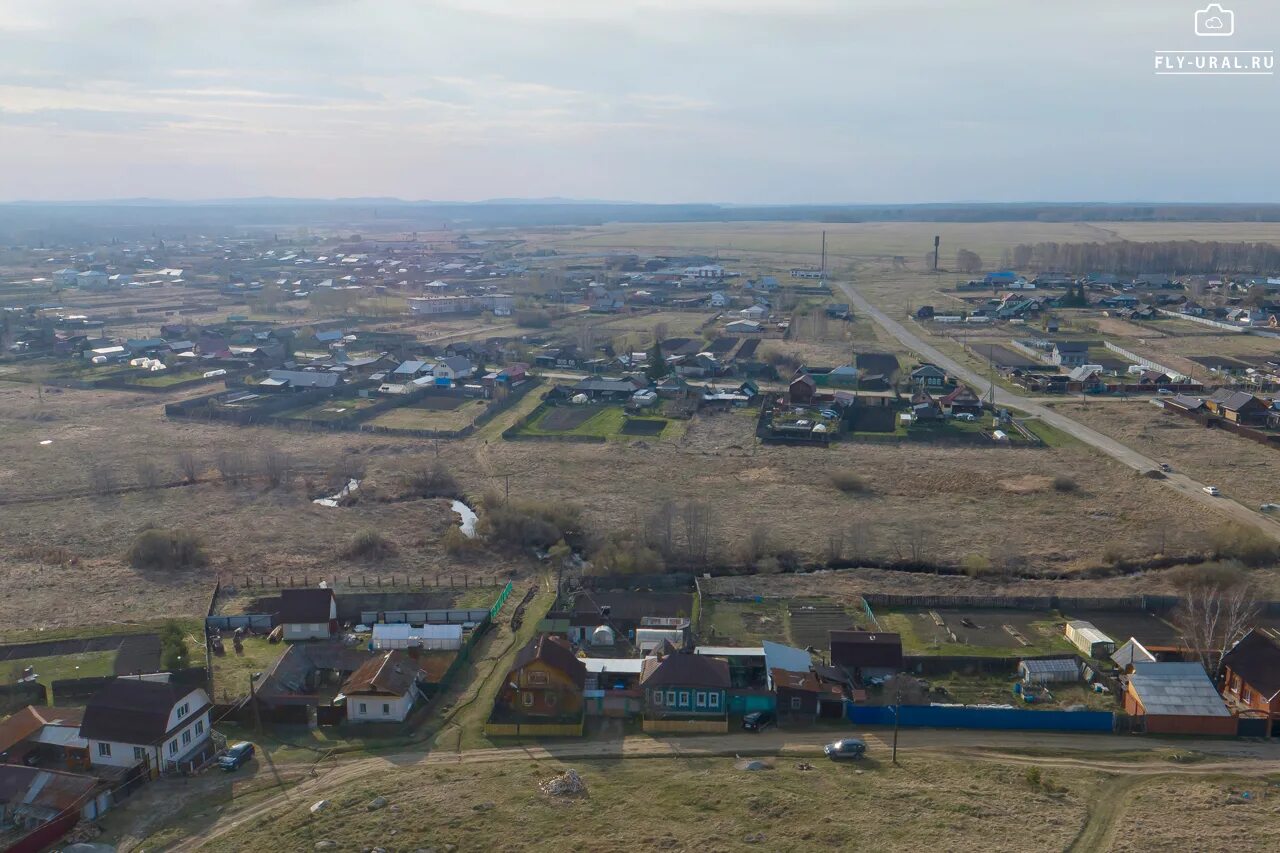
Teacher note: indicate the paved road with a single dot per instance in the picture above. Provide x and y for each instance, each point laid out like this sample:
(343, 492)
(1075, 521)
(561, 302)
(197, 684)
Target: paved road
(1127, 455)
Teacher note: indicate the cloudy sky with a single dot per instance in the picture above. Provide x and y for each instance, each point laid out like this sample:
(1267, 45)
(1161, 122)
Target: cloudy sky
(746, 101)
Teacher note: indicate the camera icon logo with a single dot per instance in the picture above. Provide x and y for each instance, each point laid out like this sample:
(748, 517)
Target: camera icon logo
(1213, 20)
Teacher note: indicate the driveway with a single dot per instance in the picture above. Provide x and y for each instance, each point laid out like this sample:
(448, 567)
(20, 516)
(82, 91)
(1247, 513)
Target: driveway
(1178, 482)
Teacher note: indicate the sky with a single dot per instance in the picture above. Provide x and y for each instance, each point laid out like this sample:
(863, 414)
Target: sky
(739, 101)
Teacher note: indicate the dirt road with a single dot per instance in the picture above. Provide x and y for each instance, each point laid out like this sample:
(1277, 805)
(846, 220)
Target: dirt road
(1180, 483)
(1043, 749)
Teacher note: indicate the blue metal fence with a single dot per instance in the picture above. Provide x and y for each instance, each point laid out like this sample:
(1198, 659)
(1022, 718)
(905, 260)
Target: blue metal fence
(944, 717)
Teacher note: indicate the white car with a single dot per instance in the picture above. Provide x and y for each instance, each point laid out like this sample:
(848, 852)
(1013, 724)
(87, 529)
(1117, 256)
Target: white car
(1212, 490)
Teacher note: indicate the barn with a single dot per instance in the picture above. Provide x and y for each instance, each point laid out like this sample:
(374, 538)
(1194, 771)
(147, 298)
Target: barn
(1176, 699)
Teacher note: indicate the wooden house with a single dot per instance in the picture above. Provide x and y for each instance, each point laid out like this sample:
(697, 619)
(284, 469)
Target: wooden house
(1251, 676)
(545, 682)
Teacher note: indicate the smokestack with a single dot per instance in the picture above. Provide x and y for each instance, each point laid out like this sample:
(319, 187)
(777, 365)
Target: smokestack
(824, 254)
(937, 240)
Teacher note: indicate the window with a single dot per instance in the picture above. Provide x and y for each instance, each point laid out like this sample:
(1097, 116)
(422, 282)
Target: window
(702, 699)
(550, 697)
(104, 749)
(186, 737)
(173, 747)
(657, 697)
(199, 727)
(713, 699)
(537, 678)
(671, 698)
(684, 698)
(1247, 696)
(139, 754)
(364, 709)
(795, 703)
(528, 700)
(386, 710)
(184, 709)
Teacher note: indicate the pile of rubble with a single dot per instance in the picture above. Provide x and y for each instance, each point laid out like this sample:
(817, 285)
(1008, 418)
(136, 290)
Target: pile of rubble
(567, 784)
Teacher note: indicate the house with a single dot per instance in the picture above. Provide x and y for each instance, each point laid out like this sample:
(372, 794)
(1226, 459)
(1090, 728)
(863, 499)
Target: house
(308, 614)
(1251, 675)
(1070, 353)
(453, 368)
(1153, 378)
(1000, 279)
(754, 312)
(866, 654)
(44, 735)
(1086, 378)
(65, 277)
(298, 380)
(409, 370)
(743, 327)
(148, 720)
(963, 400)
(929, 376)
(1088, 639)
(802, 389)
(383, 689)
(1239, 407)
(93, 280)
(719, 300)
(685, 692)
(618, 390)
(1176, 698)
(924, 407)
(546, 680)
(1129, 653)
(38, 806)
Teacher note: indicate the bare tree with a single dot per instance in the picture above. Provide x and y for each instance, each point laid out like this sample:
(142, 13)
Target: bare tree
(697, 529)
(967, 261)
(102, 480)
(757, 544)
(835, 546)
(858, 541)
(919, 542)
(149, 474)
(189, 466)
(1219, 606)
(277, 467)
(233, 466)
(660, 528)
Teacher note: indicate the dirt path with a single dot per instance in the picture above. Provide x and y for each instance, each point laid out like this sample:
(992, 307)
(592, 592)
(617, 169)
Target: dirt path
(1181, 483)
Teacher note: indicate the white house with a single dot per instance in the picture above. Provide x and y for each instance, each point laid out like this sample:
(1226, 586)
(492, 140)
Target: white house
(148, 719)
(719, 300)
(308, 614)
(93, 280)
(755, 312)
(454, 368)
(65, 277)
(383, 689)
(743, 327)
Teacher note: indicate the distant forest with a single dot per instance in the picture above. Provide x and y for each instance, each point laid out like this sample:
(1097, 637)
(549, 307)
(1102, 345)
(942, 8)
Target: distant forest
(35, 221)
(1180, 257)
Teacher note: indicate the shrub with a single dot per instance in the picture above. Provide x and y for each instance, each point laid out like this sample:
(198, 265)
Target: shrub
(528, 524)
(976, 565)
(1246, 544)
(1063, 483)
(174, 653)
(623, 556)
(849, 483)
(1034, 779)
(431, 481)
(457, 543)
(369, 545)
(167, 550)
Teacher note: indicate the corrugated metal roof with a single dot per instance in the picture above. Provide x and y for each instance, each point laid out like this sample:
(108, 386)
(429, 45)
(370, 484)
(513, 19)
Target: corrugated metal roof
(631, 666)
(778, 656)
(1180, 689)
(731, 651)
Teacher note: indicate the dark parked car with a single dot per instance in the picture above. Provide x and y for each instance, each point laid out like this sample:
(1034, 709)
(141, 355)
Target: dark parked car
(235, 756)
(845, 748)
(758, 721)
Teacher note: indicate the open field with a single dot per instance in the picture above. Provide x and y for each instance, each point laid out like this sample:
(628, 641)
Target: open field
(437, 413)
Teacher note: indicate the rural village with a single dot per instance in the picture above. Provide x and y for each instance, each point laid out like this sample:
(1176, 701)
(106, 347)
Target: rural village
(564, 493)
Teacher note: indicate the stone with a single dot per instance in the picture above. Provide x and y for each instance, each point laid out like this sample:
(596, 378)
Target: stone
(320, 806)
(376, 803)
(325, 845)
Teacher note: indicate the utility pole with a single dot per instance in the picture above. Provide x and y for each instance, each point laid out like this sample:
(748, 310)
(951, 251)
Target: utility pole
(824, 255)
(937, 241)
(897, 711)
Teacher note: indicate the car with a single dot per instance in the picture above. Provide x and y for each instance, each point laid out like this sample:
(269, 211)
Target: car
(235, 756)
(845, 749)
(1269, 507)
(1163, 391)
(758, 721)
(1166, 467)
(1212, 490)
(966, 416)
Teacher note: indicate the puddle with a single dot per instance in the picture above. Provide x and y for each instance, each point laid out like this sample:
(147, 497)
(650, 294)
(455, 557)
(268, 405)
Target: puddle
(469, 518)
(350, 487)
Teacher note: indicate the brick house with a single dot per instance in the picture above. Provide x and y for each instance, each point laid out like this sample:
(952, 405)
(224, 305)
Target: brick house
(1250, 677)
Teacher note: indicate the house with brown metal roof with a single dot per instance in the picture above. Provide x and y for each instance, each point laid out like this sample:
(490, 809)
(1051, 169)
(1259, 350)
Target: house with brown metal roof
(866, 654)
(685, 693)
(159, 723)
(545, 682)
(383, 689)
(1250, 677)
(44, 735)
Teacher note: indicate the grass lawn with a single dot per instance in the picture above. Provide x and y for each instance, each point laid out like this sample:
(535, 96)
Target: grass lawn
(1045, 636)
(231, 671)
(58, 667)
(417, 417)
(333, 409)
(743, 622)
(928, 802)
(165, 378)
(191, 626)
(987, 689)
(607, 422)
(1050, 435)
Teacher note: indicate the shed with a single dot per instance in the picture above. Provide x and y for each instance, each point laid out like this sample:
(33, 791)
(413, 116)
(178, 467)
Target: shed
(1176, 698)
(1088, 639)
(1055, 671)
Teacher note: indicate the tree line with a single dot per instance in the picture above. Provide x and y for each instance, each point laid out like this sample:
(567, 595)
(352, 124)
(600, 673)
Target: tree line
(1124, 257)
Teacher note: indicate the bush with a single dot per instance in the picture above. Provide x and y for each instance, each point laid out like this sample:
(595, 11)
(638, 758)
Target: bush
(533, 318)
(174, 653)
(622, 556)
(976, 565)
(1249, 545)
(457, 543)
(850, 483)
(166, 550)
(431, 481)
(1065, 484)
(528, 524)
(369, 545)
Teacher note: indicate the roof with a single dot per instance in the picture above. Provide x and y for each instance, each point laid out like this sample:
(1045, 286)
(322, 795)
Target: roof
(456, 363)
(1233, 400)
(405, 631)
(1087, 631)
(133, 710)
(555, 653)
(788, 658)
(1054, 665)
(24, 724)
(305, 605)
(630, 666)
(305, 378)
(1132, 652)
(1256, 659)
(681, 669)
(389, 674)
(1185, 401)
(410, 367)
(730, 651)
(866, 648)
(1176, 689)
(1071, 346)
(53, 790)
(786, 679)
(286, 681)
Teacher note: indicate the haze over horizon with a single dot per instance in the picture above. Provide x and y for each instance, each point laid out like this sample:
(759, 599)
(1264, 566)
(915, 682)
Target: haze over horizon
(647, 101)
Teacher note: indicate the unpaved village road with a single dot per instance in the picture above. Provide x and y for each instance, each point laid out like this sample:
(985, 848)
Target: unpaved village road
(1041, 748)
(1178, 482)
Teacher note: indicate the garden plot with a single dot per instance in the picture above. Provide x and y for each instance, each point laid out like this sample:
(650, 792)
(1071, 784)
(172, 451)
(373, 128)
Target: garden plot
(976, 632)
